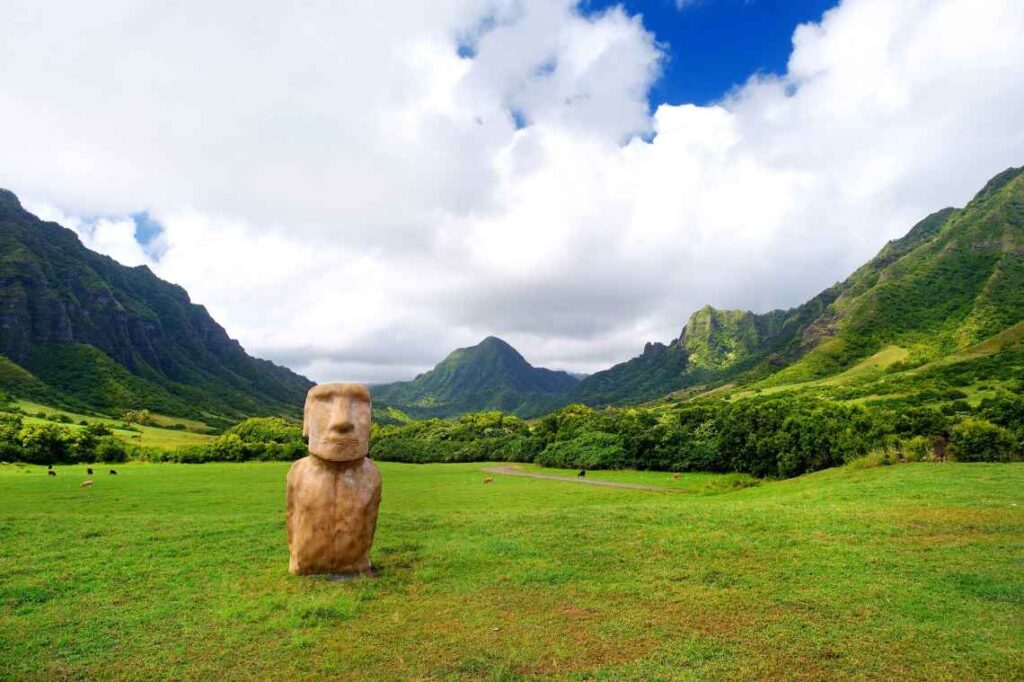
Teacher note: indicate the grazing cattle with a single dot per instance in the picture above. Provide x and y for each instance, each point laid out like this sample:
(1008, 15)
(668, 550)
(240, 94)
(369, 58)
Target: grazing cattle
(86, 484)
(581, 474)
(113, 472)
(49, 466)
(675, 476)
(51, 472)
(89, 471)
(489, 479)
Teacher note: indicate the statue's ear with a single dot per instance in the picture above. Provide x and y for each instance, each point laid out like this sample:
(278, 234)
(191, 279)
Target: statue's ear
(305, 420)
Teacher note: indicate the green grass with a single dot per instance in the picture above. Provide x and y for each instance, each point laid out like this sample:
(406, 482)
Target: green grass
(148, 436)
(179, 572)
(692, 482)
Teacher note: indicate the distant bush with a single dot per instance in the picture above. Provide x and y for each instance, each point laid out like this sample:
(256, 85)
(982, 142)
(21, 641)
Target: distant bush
(142, 417)
(588, 451)
(110, 449)
(46, 444)
(1005, 409)
(10, 441)
(979, 440)
(475, 437)
(98, 429)
(267, 430)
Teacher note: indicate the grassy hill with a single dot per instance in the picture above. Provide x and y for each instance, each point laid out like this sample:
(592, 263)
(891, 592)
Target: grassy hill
(907, 572)
(80, 330)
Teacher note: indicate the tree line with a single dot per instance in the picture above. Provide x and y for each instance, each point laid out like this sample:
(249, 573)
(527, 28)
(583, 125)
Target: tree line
(766, 436)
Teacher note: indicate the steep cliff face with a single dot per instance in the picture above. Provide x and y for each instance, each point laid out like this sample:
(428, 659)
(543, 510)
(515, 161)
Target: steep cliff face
(716, 339)
(57, 296)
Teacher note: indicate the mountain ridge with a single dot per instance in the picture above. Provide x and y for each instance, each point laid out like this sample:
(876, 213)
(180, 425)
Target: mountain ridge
(102, 335)
(852, 319)
(490, 375)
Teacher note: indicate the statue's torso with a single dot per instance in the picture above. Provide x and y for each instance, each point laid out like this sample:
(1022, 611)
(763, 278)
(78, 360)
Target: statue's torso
(331, 515)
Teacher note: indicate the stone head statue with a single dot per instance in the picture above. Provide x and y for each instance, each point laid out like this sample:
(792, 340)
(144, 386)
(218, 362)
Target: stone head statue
(332, 495)
(336, 421)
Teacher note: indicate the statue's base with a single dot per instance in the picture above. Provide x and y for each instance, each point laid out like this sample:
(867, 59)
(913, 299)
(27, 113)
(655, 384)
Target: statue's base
(350, 575)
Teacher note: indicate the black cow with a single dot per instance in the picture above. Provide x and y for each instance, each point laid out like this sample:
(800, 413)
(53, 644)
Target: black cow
(113, 473)
(89, 471)
(582, 473)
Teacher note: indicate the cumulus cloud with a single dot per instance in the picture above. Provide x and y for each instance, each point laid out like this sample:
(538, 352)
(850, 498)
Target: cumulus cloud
(357, 188)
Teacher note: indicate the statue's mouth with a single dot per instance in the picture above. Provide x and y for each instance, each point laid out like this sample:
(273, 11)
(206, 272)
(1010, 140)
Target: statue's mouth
(341, 441)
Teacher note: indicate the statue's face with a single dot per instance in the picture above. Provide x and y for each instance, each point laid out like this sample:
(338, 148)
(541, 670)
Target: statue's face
(337, 421)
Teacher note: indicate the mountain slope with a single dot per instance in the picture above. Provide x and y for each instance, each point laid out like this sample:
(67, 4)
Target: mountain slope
(955, 279)
(937, 291)
(94, 333)
(713, 347)
(489, 376)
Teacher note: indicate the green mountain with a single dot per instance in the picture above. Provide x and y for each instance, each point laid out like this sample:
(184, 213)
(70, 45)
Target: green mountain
(953, 281)
(79, 329)
(491, 375)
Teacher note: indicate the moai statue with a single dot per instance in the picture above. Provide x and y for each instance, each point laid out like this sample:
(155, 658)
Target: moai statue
(333, 495)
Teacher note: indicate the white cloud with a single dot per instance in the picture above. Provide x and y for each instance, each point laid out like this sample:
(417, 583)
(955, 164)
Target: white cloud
(348, 194)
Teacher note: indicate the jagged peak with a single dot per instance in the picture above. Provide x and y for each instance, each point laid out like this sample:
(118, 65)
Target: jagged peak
(998, 182)
(9, 200)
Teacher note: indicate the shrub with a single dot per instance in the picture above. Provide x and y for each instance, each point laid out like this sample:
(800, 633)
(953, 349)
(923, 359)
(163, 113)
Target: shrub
(267, 430)
(10, 440)
(595, 450)
(109, 449)
(98, 429)
(45, 444)
(979, 440)
(917, 449)
(138, 417)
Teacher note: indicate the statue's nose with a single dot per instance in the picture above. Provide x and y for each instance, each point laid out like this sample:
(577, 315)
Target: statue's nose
(340, 419)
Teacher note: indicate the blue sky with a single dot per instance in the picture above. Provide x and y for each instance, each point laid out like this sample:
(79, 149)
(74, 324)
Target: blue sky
(714, 45)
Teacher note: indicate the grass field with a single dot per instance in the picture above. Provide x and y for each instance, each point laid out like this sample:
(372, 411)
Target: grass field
(149, 436)
(691, 482)
(179, 572)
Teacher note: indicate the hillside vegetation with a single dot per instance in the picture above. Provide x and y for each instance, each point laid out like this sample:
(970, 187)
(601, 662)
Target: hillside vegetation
(955, 280)
(79, 330)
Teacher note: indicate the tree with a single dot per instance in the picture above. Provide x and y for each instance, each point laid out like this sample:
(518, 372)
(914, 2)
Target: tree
(137, 417)
(979, 440)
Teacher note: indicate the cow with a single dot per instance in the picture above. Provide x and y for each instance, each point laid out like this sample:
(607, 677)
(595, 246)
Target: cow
(86, 484)
(489, 479)
(113, 472)
(51, 472)
(582, 473)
